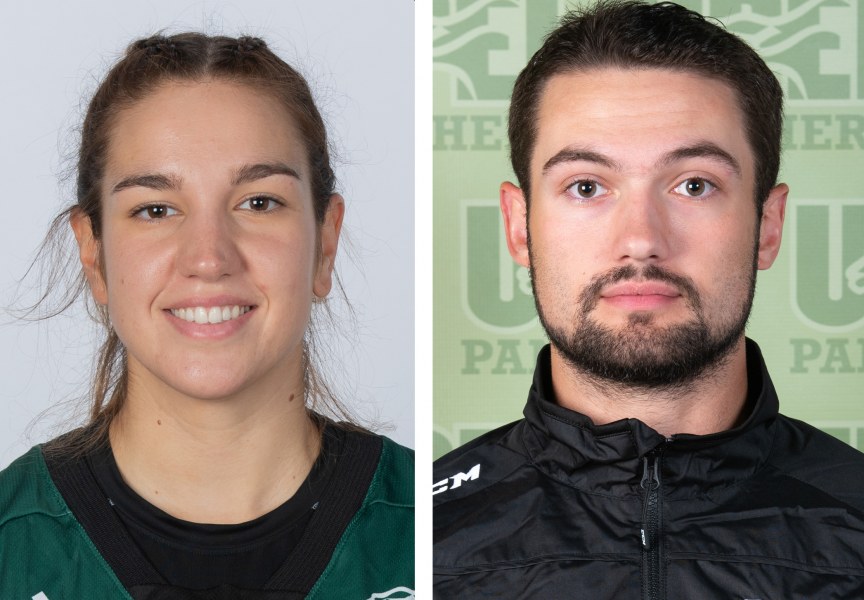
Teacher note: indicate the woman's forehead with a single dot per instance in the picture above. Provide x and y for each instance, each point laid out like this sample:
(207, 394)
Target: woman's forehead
(204, 125)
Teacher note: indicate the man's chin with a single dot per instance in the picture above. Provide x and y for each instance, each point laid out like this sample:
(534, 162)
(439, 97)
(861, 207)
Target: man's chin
(644, 355)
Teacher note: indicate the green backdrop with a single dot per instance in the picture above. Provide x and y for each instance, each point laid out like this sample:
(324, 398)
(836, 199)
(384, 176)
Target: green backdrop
(809, 311)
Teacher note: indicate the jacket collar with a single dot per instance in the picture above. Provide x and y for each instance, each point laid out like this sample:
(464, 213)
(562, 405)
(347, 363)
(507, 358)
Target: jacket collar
(608, 458)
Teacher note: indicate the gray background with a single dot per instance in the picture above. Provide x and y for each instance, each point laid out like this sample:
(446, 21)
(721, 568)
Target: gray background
(358, 58)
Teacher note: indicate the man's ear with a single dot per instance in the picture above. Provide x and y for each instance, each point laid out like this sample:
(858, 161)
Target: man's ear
(329, 242)
(515, 213)
(89, 254)
(771, 226)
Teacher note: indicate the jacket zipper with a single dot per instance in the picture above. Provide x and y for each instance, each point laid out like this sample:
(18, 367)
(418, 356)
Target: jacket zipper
(652, 562)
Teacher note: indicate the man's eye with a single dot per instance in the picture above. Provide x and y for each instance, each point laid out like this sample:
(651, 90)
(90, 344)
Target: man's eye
(152, 212)
(260, 204)
(586, 188)
(695, 187)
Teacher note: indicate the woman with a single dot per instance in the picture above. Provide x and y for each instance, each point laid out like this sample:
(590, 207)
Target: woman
(207, 226)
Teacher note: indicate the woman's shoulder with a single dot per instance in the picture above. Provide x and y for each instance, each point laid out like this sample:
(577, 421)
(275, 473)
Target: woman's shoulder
(26, 489)
(39, 534)
(376, 549)
(393, 472)
(397, 466)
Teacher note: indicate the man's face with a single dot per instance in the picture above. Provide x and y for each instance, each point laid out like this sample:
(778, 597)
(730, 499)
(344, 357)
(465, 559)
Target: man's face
(642, 236)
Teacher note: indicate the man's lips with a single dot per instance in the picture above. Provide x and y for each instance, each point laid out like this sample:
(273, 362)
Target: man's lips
(646, 288)
(640, 295)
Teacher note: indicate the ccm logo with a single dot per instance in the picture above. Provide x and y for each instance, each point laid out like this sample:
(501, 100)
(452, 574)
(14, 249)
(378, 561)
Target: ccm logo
(455, 481)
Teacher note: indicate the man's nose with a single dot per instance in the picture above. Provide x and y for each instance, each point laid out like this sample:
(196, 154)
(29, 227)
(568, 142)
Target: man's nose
(641, 227)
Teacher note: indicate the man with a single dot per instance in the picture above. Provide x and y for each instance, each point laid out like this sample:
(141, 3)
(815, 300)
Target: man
(652, 461)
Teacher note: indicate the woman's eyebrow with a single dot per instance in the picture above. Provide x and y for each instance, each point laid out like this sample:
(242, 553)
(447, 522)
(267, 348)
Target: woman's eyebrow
(245, 174)
(248, 173)
(155, 181)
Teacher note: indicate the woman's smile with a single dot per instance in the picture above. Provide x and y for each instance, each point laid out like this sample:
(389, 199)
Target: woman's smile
(215, 323)
(213, 315)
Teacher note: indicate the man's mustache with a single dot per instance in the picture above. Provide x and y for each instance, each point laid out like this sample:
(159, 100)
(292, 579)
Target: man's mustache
(591, 294)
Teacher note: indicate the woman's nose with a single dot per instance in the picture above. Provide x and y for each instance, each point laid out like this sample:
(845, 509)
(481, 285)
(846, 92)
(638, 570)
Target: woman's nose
(208, 248)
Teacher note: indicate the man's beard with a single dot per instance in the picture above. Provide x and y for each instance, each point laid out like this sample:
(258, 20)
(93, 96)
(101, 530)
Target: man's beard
(641, 355)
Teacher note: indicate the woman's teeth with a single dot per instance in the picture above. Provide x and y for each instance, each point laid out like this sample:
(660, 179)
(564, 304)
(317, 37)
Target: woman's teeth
(215, 314)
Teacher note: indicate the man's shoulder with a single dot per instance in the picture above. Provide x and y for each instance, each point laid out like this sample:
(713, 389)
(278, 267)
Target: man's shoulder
(819, 460)
(478, 464)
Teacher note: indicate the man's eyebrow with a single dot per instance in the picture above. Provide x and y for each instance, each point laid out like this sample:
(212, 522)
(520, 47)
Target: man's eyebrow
(575, 153)
(154, 181)
(702, 150)
(248, 173)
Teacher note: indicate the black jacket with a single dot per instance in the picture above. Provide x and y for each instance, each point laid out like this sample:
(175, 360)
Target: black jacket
(554, 507)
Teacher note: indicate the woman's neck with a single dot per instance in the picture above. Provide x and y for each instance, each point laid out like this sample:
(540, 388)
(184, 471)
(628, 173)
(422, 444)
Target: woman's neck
(214, 461)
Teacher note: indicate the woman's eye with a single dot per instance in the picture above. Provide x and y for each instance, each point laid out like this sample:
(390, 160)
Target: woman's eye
(695, 187)
(153, 212)
(260, 204)
(586, 188)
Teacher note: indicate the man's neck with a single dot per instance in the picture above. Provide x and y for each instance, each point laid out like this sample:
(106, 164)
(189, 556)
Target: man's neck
(708, 405)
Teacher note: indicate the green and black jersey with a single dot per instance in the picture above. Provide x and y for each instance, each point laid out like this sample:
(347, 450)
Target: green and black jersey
(62, 536)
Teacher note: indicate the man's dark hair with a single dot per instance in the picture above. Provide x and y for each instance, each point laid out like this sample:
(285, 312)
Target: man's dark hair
(635, 35)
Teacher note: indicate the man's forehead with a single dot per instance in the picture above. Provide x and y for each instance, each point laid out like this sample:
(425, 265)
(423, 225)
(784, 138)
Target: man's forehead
(658, 106)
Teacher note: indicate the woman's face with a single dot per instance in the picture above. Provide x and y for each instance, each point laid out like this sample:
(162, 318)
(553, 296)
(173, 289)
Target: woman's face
(210, 248)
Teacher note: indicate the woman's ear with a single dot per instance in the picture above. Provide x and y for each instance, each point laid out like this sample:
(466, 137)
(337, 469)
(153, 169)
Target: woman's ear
(329, 242)
(89, 254)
